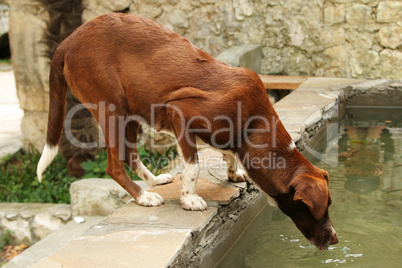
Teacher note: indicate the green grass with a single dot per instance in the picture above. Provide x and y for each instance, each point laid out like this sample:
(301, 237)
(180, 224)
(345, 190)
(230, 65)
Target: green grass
(5, 239)
(5, 61)
(19, 183)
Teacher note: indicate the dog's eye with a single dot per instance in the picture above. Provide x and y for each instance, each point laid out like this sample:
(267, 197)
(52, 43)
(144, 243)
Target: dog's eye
(325, 174)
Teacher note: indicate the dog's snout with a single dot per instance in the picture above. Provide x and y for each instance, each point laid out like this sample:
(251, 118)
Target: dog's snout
(334, 239)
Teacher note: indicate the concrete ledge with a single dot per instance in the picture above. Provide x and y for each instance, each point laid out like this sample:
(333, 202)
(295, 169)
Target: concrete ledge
(157, 236)
(316, 101)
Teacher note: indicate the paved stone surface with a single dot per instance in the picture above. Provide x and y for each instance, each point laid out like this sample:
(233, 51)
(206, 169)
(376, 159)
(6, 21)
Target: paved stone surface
(10, 115)
(166, 215)
(52, 243)
(293, 120)
(324, 84)
(368, 84)
(306, 106)
(140, 247)
(305, 100)
(207, 190)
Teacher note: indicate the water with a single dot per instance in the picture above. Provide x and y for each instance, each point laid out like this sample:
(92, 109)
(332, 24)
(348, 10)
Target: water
(366, 189)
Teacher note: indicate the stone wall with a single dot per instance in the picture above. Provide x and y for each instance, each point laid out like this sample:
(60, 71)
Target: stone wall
(336, 38)
(332, 38)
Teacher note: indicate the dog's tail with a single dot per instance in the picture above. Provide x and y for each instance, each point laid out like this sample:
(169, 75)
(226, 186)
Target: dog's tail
(57, 103)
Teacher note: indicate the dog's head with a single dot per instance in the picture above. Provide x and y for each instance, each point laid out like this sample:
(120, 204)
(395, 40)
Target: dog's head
(306, 203)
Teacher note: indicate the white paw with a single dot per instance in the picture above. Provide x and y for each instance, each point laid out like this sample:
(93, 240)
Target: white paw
(193, 202)
(148, 199)
(238, 176)
(163, 179)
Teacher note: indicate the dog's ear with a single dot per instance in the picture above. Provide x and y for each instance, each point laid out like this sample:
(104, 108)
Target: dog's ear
(313, 192)
(324, 173)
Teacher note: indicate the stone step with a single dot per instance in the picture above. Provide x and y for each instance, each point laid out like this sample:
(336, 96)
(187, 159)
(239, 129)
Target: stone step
(53, 242)
(136, 236)
(132, 236)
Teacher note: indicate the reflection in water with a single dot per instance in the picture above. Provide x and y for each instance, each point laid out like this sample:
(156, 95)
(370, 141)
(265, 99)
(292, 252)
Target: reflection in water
(366, 210)
(361, 150)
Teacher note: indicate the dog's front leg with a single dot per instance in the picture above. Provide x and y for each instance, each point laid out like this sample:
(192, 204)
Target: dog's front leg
(189, 199)
(188, 148)
(134, 162)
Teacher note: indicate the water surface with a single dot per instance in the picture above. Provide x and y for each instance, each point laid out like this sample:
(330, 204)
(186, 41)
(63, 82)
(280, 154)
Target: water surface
(366, 211)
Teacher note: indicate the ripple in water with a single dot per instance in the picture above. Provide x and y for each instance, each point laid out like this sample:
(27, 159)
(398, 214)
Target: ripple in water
(278, 244)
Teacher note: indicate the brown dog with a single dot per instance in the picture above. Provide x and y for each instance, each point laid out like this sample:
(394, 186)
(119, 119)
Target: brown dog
(121, 65)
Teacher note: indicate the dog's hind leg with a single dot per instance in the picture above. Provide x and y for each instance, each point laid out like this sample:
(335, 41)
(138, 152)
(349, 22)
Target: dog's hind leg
(134, 162)
(234, 173)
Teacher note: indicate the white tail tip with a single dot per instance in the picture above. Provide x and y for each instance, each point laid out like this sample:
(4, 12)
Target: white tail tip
(48, 155)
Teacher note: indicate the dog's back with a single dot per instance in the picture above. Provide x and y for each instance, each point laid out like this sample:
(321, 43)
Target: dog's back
(145, 63)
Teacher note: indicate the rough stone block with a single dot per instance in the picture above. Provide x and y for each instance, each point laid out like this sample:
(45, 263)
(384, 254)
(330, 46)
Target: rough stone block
(390, 36)
(60, 211)
(243, 8)
(334, 15)
(248, 56)
(388, 58)
(389, 11)
(44, 224)
(97, 197)
(30, 222)
(17, 228)
(33, 128)
(360, 17)
(359, 14)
